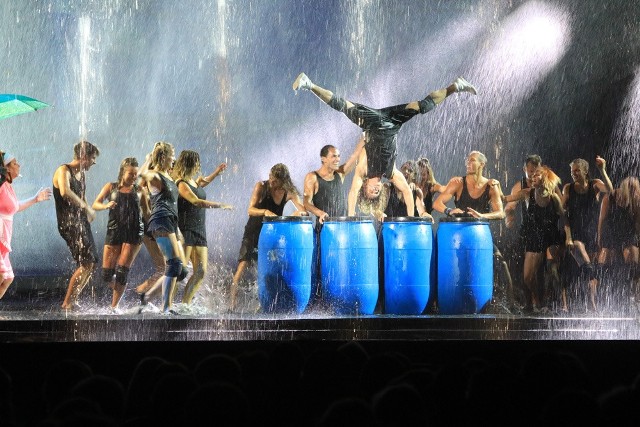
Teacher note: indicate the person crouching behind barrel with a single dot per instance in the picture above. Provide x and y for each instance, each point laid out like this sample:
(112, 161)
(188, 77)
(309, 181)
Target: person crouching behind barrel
(268, 199)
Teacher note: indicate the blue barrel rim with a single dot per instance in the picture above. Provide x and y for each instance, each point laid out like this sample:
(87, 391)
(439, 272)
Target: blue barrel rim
(464, 219)
(286, 219)
(348, 219)
(408, 219)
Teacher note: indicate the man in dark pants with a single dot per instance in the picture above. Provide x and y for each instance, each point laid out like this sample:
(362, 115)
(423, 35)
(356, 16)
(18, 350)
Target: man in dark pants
(380, 126)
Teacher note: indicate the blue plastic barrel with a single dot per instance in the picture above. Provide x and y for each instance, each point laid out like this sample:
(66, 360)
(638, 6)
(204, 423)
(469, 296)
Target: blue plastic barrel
(349, 264)
(408, 250)
(285, 259)
(465, 265)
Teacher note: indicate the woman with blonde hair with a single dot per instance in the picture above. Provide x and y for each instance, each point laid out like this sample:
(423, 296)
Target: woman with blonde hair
(618, 237)
(542, 237)
(191, 215)
(163, 221)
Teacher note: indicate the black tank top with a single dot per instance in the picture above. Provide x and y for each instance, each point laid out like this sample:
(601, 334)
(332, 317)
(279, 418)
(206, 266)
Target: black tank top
(68, 213)
(127, 209)
(482, 204)
(428, 199)
(330, 196)
(165, 202)
(254, 224)
(582, 208)
(397, 207)
(540, 218)
(190, 216)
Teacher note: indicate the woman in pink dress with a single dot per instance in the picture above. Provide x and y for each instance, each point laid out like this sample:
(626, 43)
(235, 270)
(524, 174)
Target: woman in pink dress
(9, 205)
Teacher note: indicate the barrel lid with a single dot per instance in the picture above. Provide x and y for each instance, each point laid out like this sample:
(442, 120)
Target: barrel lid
(408, 219)
(348, 219)
(464, 218)
(286, 219)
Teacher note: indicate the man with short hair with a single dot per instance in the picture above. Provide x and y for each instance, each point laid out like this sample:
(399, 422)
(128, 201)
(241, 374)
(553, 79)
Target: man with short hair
(324, 195)
(480, 197)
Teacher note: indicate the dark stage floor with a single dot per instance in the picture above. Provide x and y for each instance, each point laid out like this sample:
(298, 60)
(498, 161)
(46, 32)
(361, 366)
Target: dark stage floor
(33, 315)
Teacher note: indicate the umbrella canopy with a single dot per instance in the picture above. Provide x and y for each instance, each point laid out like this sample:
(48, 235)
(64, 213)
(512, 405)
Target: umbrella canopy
(12, 105)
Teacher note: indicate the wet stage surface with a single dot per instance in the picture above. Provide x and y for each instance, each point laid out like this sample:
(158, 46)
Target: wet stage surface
(34, 316)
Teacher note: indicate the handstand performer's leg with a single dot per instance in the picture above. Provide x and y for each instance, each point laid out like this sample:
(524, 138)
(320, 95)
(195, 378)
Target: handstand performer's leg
(303, 82)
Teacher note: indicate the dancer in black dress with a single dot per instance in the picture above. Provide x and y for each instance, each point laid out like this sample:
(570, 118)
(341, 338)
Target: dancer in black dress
(74, 216)
(541, 236)
(124, 229)
(191, 215)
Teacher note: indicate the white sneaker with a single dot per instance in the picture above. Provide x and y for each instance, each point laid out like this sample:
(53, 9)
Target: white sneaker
(302, 82)
(464, 86)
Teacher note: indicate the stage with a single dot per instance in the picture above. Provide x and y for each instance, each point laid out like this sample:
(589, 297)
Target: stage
(33, 315)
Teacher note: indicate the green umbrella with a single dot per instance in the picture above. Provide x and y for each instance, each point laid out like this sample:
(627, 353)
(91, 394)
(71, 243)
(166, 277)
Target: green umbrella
(12, 105)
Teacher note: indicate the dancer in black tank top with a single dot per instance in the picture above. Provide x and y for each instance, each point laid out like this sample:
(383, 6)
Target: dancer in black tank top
(124, 229)
(396, 206)
(324, 193)
(268, 199)
(324, 197)
(163, 221)
(74, 216)
(580, 200)
(381, 127)
(191, 215)
(473, 194)
(480, 197)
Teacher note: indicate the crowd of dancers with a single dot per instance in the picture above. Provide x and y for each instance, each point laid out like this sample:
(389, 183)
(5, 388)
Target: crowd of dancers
(161, 203)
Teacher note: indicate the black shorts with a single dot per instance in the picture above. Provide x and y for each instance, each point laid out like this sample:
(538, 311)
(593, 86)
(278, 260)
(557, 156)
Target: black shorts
(194, 238)
(118, 236)
(249, 249)
(80, 242)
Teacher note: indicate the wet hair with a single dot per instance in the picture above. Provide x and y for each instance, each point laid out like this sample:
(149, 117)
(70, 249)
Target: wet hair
(187, 165)
(280, 172)
(324, 151)
(413, 171)
(533, 159)
(369, 206)
(481, 157)
(429, 179)
(627, 195)
(7, 176)
(550, 180)
(582, 164)
(161, 150)
(85, 149)
(129, 161)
